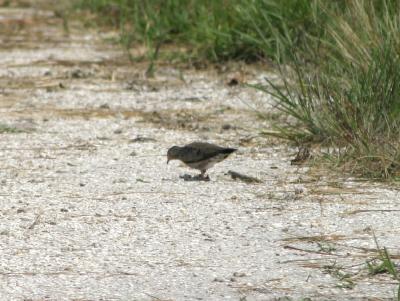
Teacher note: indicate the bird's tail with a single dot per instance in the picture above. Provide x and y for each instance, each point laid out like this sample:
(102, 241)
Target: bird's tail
(229, 150)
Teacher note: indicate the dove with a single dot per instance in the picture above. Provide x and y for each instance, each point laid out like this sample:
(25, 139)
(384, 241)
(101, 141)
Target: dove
(199, 155)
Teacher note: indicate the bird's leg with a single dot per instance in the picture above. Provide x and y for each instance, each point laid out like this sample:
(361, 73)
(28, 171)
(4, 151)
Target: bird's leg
(203, 175)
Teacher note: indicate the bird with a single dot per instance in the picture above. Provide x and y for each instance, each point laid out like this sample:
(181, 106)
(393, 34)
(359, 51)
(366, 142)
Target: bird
(199, 155)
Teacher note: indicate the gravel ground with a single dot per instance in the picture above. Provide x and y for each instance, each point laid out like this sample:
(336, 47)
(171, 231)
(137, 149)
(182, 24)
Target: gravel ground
(91, 211)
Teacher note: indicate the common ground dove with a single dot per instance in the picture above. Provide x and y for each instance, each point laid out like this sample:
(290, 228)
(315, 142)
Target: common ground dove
(199, 155)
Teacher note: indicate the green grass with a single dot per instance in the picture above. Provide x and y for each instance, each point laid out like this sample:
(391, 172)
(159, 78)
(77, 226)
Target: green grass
(339, 63)
(9, 129)
(348, 95)
(208, 29)
(384, 264)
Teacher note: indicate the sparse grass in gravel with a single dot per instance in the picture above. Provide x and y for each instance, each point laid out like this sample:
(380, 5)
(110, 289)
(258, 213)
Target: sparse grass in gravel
(345, 279)
(384, 264)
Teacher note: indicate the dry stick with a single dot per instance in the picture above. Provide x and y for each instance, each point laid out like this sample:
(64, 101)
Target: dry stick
(369, 250)
(151, 296)
(311, 251)
(99, 215)
(359, 264)
(317, 238)
(36, 221)
(114, 194)
(47, 148)
(66, 273)
(121, 193)
(317, 252)
(372, 210)
(302, 260)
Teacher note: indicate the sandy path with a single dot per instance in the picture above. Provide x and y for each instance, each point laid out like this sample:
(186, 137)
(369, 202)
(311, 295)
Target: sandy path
(90, 210)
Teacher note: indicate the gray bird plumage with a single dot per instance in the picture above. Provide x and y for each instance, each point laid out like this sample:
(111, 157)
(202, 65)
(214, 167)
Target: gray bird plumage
(199, 155)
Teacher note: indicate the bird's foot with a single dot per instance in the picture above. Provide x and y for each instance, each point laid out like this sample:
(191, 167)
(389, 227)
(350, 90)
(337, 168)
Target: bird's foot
(187, 177)
(204, 178)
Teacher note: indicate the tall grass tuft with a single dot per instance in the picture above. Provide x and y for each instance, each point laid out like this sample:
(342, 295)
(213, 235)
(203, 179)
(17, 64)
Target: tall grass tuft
(343, 89)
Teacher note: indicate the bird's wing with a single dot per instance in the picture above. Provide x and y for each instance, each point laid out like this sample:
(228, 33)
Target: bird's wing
(198, 151)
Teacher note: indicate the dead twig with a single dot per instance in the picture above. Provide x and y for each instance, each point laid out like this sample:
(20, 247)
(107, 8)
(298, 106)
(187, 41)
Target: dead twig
(36, 221)
(371, 210)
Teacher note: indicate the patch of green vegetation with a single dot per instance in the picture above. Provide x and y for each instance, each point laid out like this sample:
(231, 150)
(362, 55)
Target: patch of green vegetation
(344, 278)
(211, 30)
(6, 3)
(9, 129)
(326, 247)
(381, 265)
(63, 14)
(384, 264)
(339, 62)
(343, 89)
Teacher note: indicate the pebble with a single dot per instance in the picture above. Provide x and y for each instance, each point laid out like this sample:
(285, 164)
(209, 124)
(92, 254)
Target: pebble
(218, 279)
(239, 274)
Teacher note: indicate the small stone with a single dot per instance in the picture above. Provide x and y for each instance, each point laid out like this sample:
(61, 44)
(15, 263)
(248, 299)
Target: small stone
(367, 229)
(233, 82)
(21, 210)
(218, 279)
(133, 153)
(63, 210)
(142, 139)
(239, 274)
(82, 184)
(226, 126)
(118, 131)
(298, 190)
(78, 73)
(102, 138)
(104, 106)
(120, 180)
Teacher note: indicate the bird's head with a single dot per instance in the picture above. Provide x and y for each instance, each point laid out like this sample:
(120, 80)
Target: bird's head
(173, 153)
